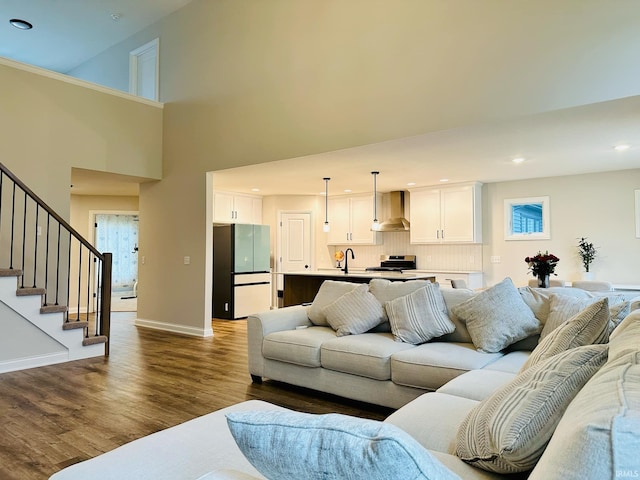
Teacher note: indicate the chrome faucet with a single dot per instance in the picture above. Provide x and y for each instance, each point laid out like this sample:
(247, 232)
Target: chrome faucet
(346, 260)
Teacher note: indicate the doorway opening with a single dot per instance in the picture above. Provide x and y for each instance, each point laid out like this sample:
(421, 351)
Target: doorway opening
(144, 70)
(118, 233)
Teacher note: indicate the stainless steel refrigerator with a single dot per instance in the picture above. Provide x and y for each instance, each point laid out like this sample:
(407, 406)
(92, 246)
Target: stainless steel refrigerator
(241, 270)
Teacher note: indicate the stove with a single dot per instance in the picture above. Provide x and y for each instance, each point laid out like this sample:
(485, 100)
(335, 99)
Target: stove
(394, 263)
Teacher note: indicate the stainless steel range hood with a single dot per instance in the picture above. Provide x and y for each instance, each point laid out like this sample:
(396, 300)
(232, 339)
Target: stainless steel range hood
(396, 222)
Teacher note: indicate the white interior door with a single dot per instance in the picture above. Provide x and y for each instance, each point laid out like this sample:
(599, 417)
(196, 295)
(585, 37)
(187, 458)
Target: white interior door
(295, 243)
(144, 70)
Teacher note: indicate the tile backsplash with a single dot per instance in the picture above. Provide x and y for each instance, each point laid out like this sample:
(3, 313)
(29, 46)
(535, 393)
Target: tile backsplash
(464, 257)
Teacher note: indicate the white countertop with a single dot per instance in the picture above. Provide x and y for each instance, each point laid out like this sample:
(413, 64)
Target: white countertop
(336, 272)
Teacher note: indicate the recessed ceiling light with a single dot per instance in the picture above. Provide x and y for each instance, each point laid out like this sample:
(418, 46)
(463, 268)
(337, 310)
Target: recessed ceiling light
(518, 160)
(444, 180)
(255, 189)
(20, 24)
(116, 16)
(347, 190)
(411, 184)
(621, 147)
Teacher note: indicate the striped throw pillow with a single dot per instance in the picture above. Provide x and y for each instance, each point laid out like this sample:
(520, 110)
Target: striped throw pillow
(587, 327)
(508, 431)
(355, 312)
(420, 316)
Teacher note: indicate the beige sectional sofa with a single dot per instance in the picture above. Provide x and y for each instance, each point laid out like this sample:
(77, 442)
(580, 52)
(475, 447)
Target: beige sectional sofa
(594, 428)
(286, 346)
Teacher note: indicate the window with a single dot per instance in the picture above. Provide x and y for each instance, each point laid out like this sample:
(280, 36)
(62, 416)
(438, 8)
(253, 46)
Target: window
(526, 218)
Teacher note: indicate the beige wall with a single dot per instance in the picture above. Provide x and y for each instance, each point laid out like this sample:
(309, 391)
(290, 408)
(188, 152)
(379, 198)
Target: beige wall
(597, 206)
(249, 81)
(48, 126)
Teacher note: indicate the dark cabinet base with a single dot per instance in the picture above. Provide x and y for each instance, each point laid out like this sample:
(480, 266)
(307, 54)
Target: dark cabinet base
(299, 289)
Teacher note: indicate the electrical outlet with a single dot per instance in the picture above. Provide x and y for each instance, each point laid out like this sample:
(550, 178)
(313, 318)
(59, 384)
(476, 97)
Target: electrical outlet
(142, 259)
(187, 260)
(495, 259)
(226, 307)
(39, 230)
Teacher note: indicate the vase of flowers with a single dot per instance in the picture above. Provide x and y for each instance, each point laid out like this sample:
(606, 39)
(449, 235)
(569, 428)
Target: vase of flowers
(542, 265)
(587, 253)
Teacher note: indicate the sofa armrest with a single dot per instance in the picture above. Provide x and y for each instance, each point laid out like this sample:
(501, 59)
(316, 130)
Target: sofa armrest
(262, 324)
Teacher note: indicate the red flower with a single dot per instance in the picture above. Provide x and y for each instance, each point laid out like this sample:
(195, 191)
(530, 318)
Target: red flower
(542, 263)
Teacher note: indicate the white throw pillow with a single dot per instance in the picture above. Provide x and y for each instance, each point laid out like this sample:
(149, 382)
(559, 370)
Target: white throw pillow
(508, 431)
(420, 316)
(497, 317)
(355, 312)
(292, 445)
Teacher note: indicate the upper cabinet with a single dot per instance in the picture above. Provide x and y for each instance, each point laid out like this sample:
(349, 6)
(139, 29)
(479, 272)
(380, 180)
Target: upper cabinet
(236, 208)
(350, 221)
(451, 214)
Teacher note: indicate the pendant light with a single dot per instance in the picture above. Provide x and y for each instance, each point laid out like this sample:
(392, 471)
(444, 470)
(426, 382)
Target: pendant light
(375, 226)
(325, 227)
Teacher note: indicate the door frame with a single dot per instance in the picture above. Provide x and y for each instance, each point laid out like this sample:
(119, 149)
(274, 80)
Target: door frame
(92, 240)
(312, 239)
(134, 55)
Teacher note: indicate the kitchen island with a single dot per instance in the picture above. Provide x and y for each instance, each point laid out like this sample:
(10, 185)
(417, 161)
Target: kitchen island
(301, 287)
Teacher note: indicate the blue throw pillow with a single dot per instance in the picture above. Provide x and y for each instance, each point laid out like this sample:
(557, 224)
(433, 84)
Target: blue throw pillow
(291, 445)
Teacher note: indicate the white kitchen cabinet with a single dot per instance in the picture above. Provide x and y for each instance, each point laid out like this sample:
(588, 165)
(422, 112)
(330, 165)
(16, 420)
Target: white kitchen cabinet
(451, 214)
(236, 208)
(350, 221)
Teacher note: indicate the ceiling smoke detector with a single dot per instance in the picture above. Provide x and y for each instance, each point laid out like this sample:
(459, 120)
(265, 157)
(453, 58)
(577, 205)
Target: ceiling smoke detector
(116, 16)
(20, 24)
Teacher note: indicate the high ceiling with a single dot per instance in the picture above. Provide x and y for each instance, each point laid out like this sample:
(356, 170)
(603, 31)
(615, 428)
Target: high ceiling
(565, 142)
(66, 33)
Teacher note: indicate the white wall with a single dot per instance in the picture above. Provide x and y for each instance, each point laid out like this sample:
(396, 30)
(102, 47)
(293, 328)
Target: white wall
(598, 206)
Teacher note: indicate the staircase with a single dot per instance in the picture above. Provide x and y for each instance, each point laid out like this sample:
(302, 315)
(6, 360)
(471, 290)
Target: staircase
(48, 266)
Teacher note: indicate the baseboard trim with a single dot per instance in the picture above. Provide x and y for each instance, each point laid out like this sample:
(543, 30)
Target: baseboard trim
(33, 362)
(174, 328)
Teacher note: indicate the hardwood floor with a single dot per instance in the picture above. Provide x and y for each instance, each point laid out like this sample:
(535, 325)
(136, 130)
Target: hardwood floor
(54, 416)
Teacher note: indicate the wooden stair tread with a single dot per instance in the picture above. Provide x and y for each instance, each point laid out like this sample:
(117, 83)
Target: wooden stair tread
(95, 339)
(10, 272)
(53, 309)
(22, 292)
(72, 325)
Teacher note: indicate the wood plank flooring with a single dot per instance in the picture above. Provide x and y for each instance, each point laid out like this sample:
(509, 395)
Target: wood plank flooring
(54, 416)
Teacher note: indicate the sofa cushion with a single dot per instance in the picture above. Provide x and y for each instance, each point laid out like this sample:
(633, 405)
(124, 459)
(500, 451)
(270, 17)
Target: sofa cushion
(433, 419)
(433, 364)
(354, 312)
(420, 316)
(299, 346)
(563, 307)
(476, 384)
(588, 326)
(329, 292)
(511, 362)
(453, 297)
(508, 431)
(367, 355)
(497, 317)
(626, 337)
(599, 434)
(292, 445)
(537, 299)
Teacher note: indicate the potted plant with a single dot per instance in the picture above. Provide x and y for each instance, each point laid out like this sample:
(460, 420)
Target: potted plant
(587, 253)
(542, 265)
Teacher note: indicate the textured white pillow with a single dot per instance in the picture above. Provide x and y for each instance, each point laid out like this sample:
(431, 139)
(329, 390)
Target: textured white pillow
(589, 326)
(497, 317)
(355, 312)
(562, 308)
(508, 431)
(329, 292)
(292, 445)
(420, 316)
